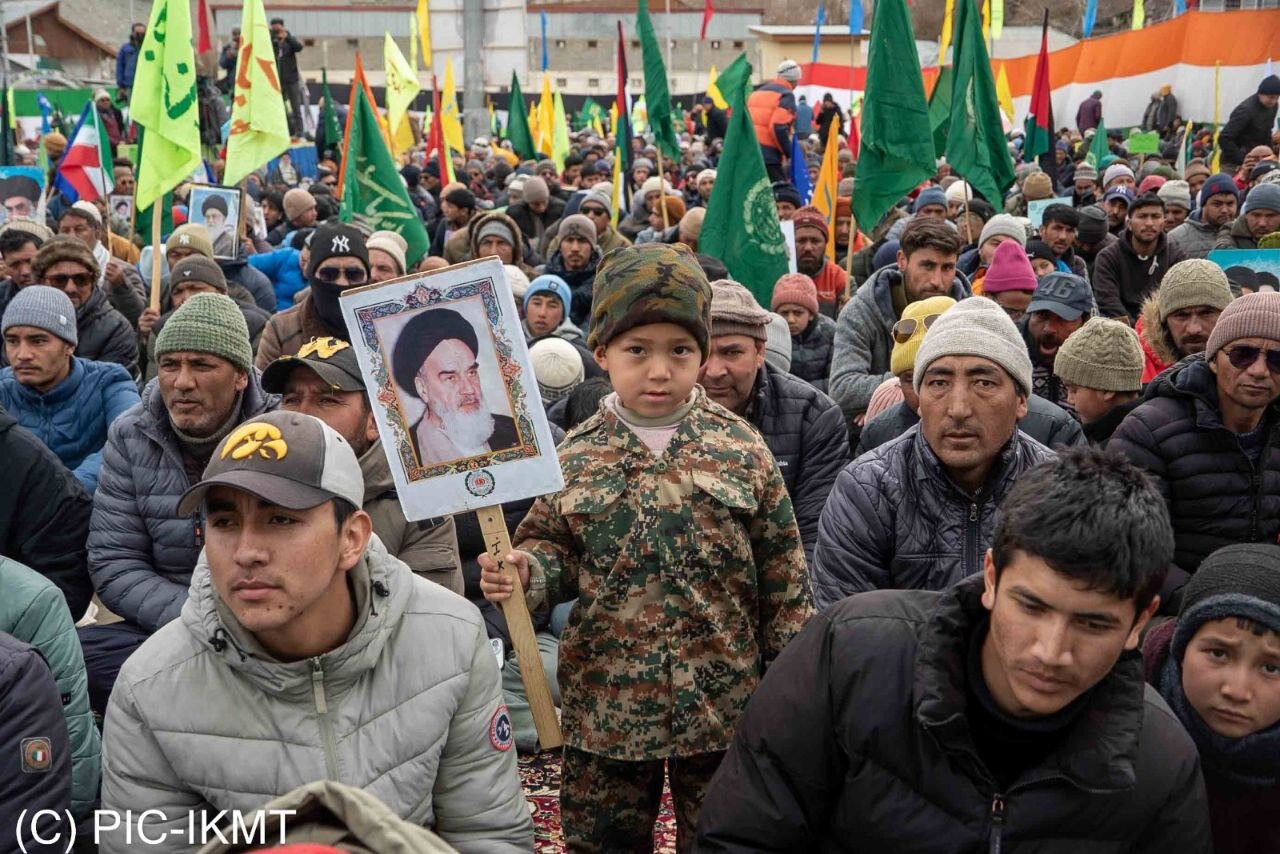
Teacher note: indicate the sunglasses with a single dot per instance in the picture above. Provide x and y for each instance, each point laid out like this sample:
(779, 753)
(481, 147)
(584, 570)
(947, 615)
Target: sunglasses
(595, 211)
(1245, 356)
(80, 280)
(352, 275)
(907, 326)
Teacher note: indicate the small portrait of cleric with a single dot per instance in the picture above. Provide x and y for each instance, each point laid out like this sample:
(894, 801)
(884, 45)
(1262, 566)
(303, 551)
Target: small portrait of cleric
(440, 359)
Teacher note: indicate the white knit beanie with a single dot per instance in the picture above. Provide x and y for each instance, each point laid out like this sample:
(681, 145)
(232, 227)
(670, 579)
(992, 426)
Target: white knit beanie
(976, 326)
(557, 366)
(1005, 224)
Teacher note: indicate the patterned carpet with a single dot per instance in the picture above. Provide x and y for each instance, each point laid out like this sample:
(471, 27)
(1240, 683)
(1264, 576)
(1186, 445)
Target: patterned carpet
(540, 776)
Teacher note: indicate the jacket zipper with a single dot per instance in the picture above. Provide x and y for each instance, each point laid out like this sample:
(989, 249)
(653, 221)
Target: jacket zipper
(971, 538)
(997, 824)
(322, 710)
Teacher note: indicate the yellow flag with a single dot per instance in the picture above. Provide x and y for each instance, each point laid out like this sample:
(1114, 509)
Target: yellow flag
(1139, 14)
(824, 192)
(1003, 94)
(402, 88)
(613, 116)
(259, 129)
(546, 115)
(713, 91)
(1217, 128)
(560, 133)
(450, 122)
(424, 33)
(997, 18)
(597, 127)
(944, 41)
(413, 43)
(986, 19)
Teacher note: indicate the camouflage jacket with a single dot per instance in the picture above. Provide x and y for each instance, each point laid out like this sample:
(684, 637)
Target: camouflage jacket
(689, 578)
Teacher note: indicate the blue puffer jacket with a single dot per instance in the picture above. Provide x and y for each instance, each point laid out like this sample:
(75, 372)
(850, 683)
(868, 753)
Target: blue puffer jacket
(141, 552)
(72, 417)
(285, 272)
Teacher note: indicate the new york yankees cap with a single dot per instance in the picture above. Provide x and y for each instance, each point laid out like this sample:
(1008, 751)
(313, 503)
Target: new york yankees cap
(336, 240)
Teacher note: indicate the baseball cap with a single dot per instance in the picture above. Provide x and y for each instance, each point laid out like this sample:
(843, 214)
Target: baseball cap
(332, 359)
(1064, 294)
(1125, 193)
(286, 458)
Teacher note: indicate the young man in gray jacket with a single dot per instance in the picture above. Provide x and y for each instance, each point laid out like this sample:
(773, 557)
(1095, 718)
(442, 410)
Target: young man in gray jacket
(306, 652)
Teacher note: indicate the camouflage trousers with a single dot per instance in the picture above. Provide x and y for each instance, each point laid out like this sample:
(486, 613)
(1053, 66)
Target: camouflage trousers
(610, 805)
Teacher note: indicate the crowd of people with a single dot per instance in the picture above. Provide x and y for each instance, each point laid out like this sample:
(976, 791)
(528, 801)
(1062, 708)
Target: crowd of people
(969, 537)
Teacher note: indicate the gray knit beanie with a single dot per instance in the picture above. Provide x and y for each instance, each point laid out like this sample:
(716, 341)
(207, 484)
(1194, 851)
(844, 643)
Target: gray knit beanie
(208, 323)
(977, 327)
(1192, 282)
(734, 311)
(777, 345)
(42, 307)
(1250, 316)
(1003, 224)
(1103, 354)
(1263, 197)
(1093, 225)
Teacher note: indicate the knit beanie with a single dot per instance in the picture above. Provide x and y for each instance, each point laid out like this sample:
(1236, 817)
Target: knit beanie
(193, 236)
(297, 202)
(1093, 225)
(734, 311)
(387, 242)
(1005, 224)
(208, 323)
(810, 217)
(1192, 282)
(27, 225)
(578, 225)
(903, 356)
(675, 208)
(887, 394)
(795, 289)
(653, 185)
(959, 192)
(1103, 354)
(62, 248)
(929, 196)
(42, 307)
(198, 268)
(1216, 184)
(1270, 85)
(1010, 270)
(558, 367)
(536, 189)
(517, 279)
(496, 226)
(651, 283)
(1264, 197)
(1037, 186)
(777, 344)
(1150, 184)
(1086, 172)
(1116, 170)
(977, 327)
(54, 145)
(597, 196)
(1196, 167)
(1250, 316)
(461, 197)
(549, 283)
(1176, 194)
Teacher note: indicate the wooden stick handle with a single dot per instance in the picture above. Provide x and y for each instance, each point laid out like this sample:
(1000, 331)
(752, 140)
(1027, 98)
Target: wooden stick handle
(155, 252)
(498, 543)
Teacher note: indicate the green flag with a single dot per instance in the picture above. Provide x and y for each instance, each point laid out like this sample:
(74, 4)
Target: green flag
(590, 111)
(657, 95)
(940, 110)
(371, 185)
(741, 227)
(164, 101)
(897, 150)
(330, 127)
(1098, 149)
(976, 146)
(518, 124)
(142, 216)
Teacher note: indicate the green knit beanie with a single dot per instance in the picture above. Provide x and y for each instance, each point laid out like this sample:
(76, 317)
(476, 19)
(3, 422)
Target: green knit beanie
(1103, 354)
(207, 323)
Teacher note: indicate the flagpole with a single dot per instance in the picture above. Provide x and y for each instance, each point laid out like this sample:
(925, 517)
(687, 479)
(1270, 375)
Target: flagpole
(662, 179)
(156, 216)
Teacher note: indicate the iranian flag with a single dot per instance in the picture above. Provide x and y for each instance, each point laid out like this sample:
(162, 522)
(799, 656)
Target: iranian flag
(83, 172)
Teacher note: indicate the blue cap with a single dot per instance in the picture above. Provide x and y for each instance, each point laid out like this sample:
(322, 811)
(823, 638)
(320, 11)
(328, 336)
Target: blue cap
(1065, 294)
(549, 283)
(929, 196)
(1125, 193)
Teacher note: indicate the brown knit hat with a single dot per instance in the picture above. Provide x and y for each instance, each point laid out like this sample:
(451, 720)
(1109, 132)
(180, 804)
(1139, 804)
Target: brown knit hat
(795, 289)
(1250, 316)
(62, 248)
(1103, 354)
(810, 217)
(1192, 282)
(198, 268)
(578, 225)
(734, 311)
(193, 236)
(297, 202)
(1038, 185)
(675, 208)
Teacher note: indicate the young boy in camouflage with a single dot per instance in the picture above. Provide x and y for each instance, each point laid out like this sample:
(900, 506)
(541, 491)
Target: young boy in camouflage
(675, 537)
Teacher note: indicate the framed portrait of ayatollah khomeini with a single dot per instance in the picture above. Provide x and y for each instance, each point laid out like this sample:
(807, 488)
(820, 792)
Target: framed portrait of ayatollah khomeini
(452, 389)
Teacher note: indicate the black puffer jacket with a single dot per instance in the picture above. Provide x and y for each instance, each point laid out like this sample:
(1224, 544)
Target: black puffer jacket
(104, 335)
(1047, 423)
(1216, 494)
(896, 519)
(811, 351)
(31, 778)
(805, 431)
(857, 740)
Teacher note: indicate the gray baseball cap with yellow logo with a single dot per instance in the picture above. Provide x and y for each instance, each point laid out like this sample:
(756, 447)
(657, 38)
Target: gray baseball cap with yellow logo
(289, 459)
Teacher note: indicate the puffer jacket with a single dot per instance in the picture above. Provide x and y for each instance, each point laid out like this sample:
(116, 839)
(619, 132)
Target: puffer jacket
(33, 611)
(1047, 423)
(1122, 280)
(104, 335)
(30, 708)
(403, 708)
(772, 107)
(141, 552)
(1236, 235)
(896, 519)
(256, 283)
(1216, 494)
(857, 739)
(283, 268)
(805, 432)
(811, 351)
(287, 331)
(864, 339)
(429, 547)
(72, 417)
(1194, 239)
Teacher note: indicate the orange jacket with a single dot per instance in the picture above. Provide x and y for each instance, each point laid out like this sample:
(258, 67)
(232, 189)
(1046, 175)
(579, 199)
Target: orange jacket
(773, 113)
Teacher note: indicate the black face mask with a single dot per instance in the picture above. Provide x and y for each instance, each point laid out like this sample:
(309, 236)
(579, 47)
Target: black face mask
(136, 38)
(324, 296)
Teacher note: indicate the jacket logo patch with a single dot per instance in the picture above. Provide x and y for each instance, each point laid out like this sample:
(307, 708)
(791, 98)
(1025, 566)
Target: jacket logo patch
(500, 734)
(257, 438)
(37, 755)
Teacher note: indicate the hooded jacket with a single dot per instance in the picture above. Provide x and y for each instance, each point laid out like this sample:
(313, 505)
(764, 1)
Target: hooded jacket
(517, 252)
(1157, 347)
(256, 283)
(141, 552)
(104, 335)
(864, 339)
(405, 708)
(1216, 494)
(812, 350)
(1194, 239)
(895, 519)
(858, 739)
(1236, 235)
(581, 285)
(1122, 280)
(72, 417)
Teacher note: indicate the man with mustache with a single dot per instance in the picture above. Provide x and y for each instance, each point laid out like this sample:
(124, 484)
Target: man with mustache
(435, 360)
(1132, 267)
(1178, 319)
(918, 512)
(1061, 304)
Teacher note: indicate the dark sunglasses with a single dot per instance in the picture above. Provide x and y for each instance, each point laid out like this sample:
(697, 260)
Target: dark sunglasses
(352, 275)
(1245, 356)
(907, 326)
(594, 211)
(80, 280)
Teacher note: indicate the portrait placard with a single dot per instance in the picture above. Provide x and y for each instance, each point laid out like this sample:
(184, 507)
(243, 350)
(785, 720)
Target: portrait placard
(220, 210)
(454, 394)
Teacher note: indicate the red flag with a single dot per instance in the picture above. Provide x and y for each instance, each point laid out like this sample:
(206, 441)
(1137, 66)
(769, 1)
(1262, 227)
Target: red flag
(707, 11)
(1038, 128)
(204, 43)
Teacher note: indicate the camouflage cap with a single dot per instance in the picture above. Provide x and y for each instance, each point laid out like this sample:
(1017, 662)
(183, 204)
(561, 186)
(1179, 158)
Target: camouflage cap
(652, 283)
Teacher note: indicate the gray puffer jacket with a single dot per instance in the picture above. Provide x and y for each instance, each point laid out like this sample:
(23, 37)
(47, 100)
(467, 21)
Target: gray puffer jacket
(104, 334)
(1047, 423)
(1194, 239)
(896, 519)
(203, 718)
(141, 552)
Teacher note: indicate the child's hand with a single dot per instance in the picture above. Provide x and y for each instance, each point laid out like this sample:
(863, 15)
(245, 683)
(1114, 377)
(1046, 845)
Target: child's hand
(497, 587)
